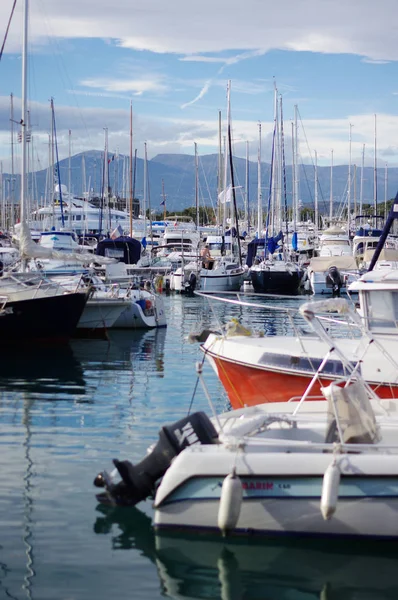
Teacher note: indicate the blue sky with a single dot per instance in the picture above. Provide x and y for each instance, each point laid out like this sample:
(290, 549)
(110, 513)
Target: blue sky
(336, 60)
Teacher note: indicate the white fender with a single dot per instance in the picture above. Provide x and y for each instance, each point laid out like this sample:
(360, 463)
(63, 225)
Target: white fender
(230, 502)
(330, 490)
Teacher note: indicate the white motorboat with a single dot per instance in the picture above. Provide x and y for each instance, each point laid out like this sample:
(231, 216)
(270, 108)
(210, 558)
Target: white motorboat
(331, 275)
(224, 274)
(113, 306)
(334, 241)
(102, 308)
(254, 368)
(145, 310)
(308, 468)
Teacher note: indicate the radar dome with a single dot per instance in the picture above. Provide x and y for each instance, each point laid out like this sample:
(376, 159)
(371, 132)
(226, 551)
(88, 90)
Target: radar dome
(64, 189)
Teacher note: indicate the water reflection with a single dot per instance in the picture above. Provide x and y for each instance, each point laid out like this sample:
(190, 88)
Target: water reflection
(123, 349)
(54, 373)
(207, 567)
(42, 370)
(27, 474)
(27, 534)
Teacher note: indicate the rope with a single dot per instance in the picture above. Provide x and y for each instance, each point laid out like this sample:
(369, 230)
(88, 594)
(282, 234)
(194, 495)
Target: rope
(8, 27)
(195, 388)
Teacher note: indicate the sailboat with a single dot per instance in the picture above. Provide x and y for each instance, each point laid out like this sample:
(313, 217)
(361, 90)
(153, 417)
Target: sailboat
(225, 272)
(28, 311)
(272, 272)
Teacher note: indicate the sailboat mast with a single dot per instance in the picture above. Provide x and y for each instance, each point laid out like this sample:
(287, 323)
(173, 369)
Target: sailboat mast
(361, 182)
(69, 164)
(134, 173)
(375, 173)
(84, 196)
(296, 165)
(247, 188)
(331, 188)
(293, 182)
(274, 166)
(12, 203)
(316, 216)
(145, 186)
(164, 201)
(231, 166)
(385, 189)
(219, 177)
(355, 193)
(259, 198)
(349, 181)
(52, 172)
(24, 93)
(131, 170)
(106, 183)
(225, 157)
(196, 186)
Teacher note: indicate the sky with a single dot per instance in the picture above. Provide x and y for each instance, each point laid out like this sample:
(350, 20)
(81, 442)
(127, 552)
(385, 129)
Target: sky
(337, 61)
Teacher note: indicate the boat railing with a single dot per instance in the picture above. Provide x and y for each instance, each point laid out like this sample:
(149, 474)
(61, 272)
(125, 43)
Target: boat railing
(307, 445)
(352, 327)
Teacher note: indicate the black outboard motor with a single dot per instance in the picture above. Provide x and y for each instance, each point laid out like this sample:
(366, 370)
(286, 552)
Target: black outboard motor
(190, 285)
(138, 481)
(335, 281)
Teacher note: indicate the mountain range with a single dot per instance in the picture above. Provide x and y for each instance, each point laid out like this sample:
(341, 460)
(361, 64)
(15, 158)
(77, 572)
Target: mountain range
(174, 176)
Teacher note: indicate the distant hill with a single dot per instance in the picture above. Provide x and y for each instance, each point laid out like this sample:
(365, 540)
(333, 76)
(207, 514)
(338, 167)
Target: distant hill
(177, 171)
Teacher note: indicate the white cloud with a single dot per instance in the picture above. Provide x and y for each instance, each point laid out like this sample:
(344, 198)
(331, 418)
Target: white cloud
(203, 59)
(135, 86)
(358, 26)
(175, 135)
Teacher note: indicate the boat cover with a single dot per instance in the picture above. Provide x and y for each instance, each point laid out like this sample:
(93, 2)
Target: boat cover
(321, 264)
(124, 249)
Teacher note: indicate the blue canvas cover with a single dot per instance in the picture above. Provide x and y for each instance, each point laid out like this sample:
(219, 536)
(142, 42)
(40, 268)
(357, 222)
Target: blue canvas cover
(123, 248)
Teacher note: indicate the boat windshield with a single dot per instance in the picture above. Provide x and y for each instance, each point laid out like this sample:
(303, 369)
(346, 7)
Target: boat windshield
(381, 309)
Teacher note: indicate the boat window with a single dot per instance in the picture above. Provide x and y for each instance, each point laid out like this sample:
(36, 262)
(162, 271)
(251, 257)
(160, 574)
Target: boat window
(335, 243)
(382, 309)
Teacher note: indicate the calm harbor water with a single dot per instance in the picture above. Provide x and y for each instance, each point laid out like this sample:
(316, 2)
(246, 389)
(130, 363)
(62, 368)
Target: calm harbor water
(66, 412)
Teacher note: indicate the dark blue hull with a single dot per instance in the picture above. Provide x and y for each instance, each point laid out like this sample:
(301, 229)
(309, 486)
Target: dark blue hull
(51, 318)
(276, 282)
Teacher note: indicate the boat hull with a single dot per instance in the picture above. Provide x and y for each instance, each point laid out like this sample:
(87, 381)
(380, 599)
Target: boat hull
(281, 490)
(46, 318)
(221, 283)
(365, 517)
(137, 316)
(276, 282)
(248, 385)
(101, 315)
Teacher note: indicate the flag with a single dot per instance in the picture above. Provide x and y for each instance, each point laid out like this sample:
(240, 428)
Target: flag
(225, 195)
(163, 203)
(118, 232)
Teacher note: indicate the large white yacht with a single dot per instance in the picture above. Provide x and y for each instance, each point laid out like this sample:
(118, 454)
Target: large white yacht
(81, 215)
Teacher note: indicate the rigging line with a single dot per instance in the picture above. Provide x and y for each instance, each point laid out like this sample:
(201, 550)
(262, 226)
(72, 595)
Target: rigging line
(312, 162)
(58, 169)
(57, 55)
(7, 30)
(308, 184)
(284, 175)
(195, 388)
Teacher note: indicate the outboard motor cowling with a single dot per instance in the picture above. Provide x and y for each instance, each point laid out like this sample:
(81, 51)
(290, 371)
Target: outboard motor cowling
(190, 285)
(334, 280)
(138, 481)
